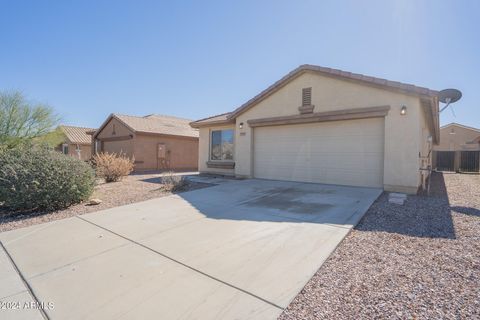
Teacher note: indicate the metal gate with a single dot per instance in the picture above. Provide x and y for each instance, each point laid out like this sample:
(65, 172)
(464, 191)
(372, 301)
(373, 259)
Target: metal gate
(469, 161)
(445, 160)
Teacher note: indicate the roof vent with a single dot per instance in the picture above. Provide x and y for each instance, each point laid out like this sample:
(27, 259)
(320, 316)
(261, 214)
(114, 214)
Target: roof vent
(306, 97)
(307, 106)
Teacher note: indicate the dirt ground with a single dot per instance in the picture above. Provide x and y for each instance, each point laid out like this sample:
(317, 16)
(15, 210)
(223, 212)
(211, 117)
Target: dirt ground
(420, 260)
(133, 188)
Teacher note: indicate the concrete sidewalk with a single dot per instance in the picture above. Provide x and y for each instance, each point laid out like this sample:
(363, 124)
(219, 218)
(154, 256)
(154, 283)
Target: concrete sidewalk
(16, 302)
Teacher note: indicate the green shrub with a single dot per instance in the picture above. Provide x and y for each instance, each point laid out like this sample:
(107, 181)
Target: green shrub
(41, 179)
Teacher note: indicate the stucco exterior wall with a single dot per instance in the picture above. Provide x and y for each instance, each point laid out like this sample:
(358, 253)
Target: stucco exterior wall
(204, 152)
(328, 94)
(404, 135)
(181, 153)
(457, 141)
(85, 150)
(120, 130)
(119, 147)
(114, 129)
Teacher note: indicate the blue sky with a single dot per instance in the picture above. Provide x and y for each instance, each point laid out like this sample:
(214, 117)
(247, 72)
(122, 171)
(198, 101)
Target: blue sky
(88, 59)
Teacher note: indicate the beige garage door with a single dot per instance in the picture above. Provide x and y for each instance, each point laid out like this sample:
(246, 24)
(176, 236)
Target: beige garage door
(339, 152)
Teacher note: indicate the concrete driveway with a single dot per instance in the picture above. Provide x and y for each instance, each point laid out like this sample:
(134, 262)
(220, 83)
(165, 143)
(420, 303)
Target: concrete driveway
(239, 250)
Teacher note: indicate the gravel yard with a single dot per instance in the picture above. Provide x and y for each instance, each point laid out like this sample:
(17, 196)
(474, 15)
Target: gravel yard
(416, 261)
(133, 188)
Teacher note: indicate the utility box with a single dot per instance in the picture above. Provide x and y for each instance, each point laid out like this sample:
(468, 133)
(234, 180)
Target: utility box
(162, 151)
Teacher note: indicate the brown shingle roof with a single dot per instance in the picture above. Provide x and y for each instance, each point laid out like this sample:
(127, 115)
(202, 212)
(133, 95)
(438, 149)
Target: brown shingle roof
(155, 123)
(77, 135)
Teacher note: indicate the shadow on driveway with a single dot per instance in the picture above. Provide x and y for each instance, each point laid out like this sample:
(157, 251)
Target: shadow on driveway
(282, 201)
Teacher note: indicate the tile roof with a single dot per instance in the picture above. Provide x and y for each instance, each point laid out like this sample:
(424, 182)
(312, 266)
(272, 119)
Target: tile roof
(160, 124)
(77, 135)
(378, 82)
(459, 125)
(221, 118)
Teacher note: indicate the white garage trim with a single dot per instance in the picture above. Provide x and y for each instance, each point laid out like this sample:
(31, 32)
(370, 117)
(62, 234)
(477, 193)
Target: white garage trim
(349, 152)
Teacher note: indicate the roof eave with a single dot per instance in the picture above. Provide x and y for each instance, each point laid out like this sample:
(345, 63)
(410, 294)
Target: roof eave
(461, 126)
(430, 106)
(80, 143)
(197, 125)
(148, 133)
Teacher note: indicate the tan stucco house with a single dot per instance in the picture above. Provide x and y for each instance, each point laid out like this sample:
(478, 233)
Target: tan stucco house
(156, 142)
(328, 126)
(77, 142)
(458, 150)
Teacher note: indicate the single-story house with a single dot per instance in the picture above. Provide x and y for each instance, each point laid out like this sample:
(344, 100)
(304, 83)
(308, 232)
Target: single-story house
(156, 142)
(458, 150)
(77, 142)
(328, 126)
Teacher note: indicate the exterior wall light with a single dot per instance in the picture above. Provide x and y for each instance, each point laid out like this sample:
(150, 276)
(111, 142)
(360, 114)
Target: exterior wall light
(403, 111)
(240, 125)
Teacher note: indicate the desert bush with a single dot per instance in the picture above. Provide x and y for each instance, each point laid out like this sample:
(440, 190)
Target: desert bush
(172, 182)
(112, 167)
(34, 178)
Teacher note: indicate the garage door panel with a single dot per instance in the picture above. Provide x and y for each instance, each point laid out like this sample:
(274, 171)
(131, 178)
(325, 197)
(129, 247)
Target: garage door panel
(337, 144)
(342, 152)
(337, 176)
(371, 161)
(288, 170)
(330, 176)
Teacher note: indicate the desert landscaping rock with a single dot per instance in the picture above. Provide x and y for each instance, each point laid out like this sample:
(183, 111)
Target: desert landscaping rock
(416, 261)
(133, 188)
(94, 202)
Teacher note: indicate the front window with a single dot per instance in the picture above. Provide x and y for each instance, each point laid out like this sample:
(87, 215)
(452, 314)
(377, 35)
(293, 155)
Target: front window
(65, 148)
(221, 145)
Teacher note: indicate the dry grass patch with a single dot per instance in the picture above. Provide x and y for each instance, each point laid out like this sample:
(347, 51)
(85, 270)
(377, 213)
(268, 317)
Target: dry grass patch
(112, 167)
(173, 183)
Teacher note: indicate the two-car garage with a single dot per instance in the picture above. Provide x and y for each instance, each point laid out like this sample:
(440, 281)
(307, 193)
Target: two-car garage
(328, 126)
(336, 152)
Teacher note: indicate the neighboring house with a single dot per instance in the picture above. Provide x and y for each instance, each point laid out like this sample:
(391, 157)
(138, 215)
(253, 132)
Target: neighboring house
(77, 143)
(327, 126)
(156, 142)
(458, 150)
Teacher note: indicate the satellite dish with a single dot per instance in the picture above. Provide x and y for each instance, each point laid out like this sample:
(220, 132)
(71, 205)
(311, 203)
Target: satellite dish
(448, 96)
